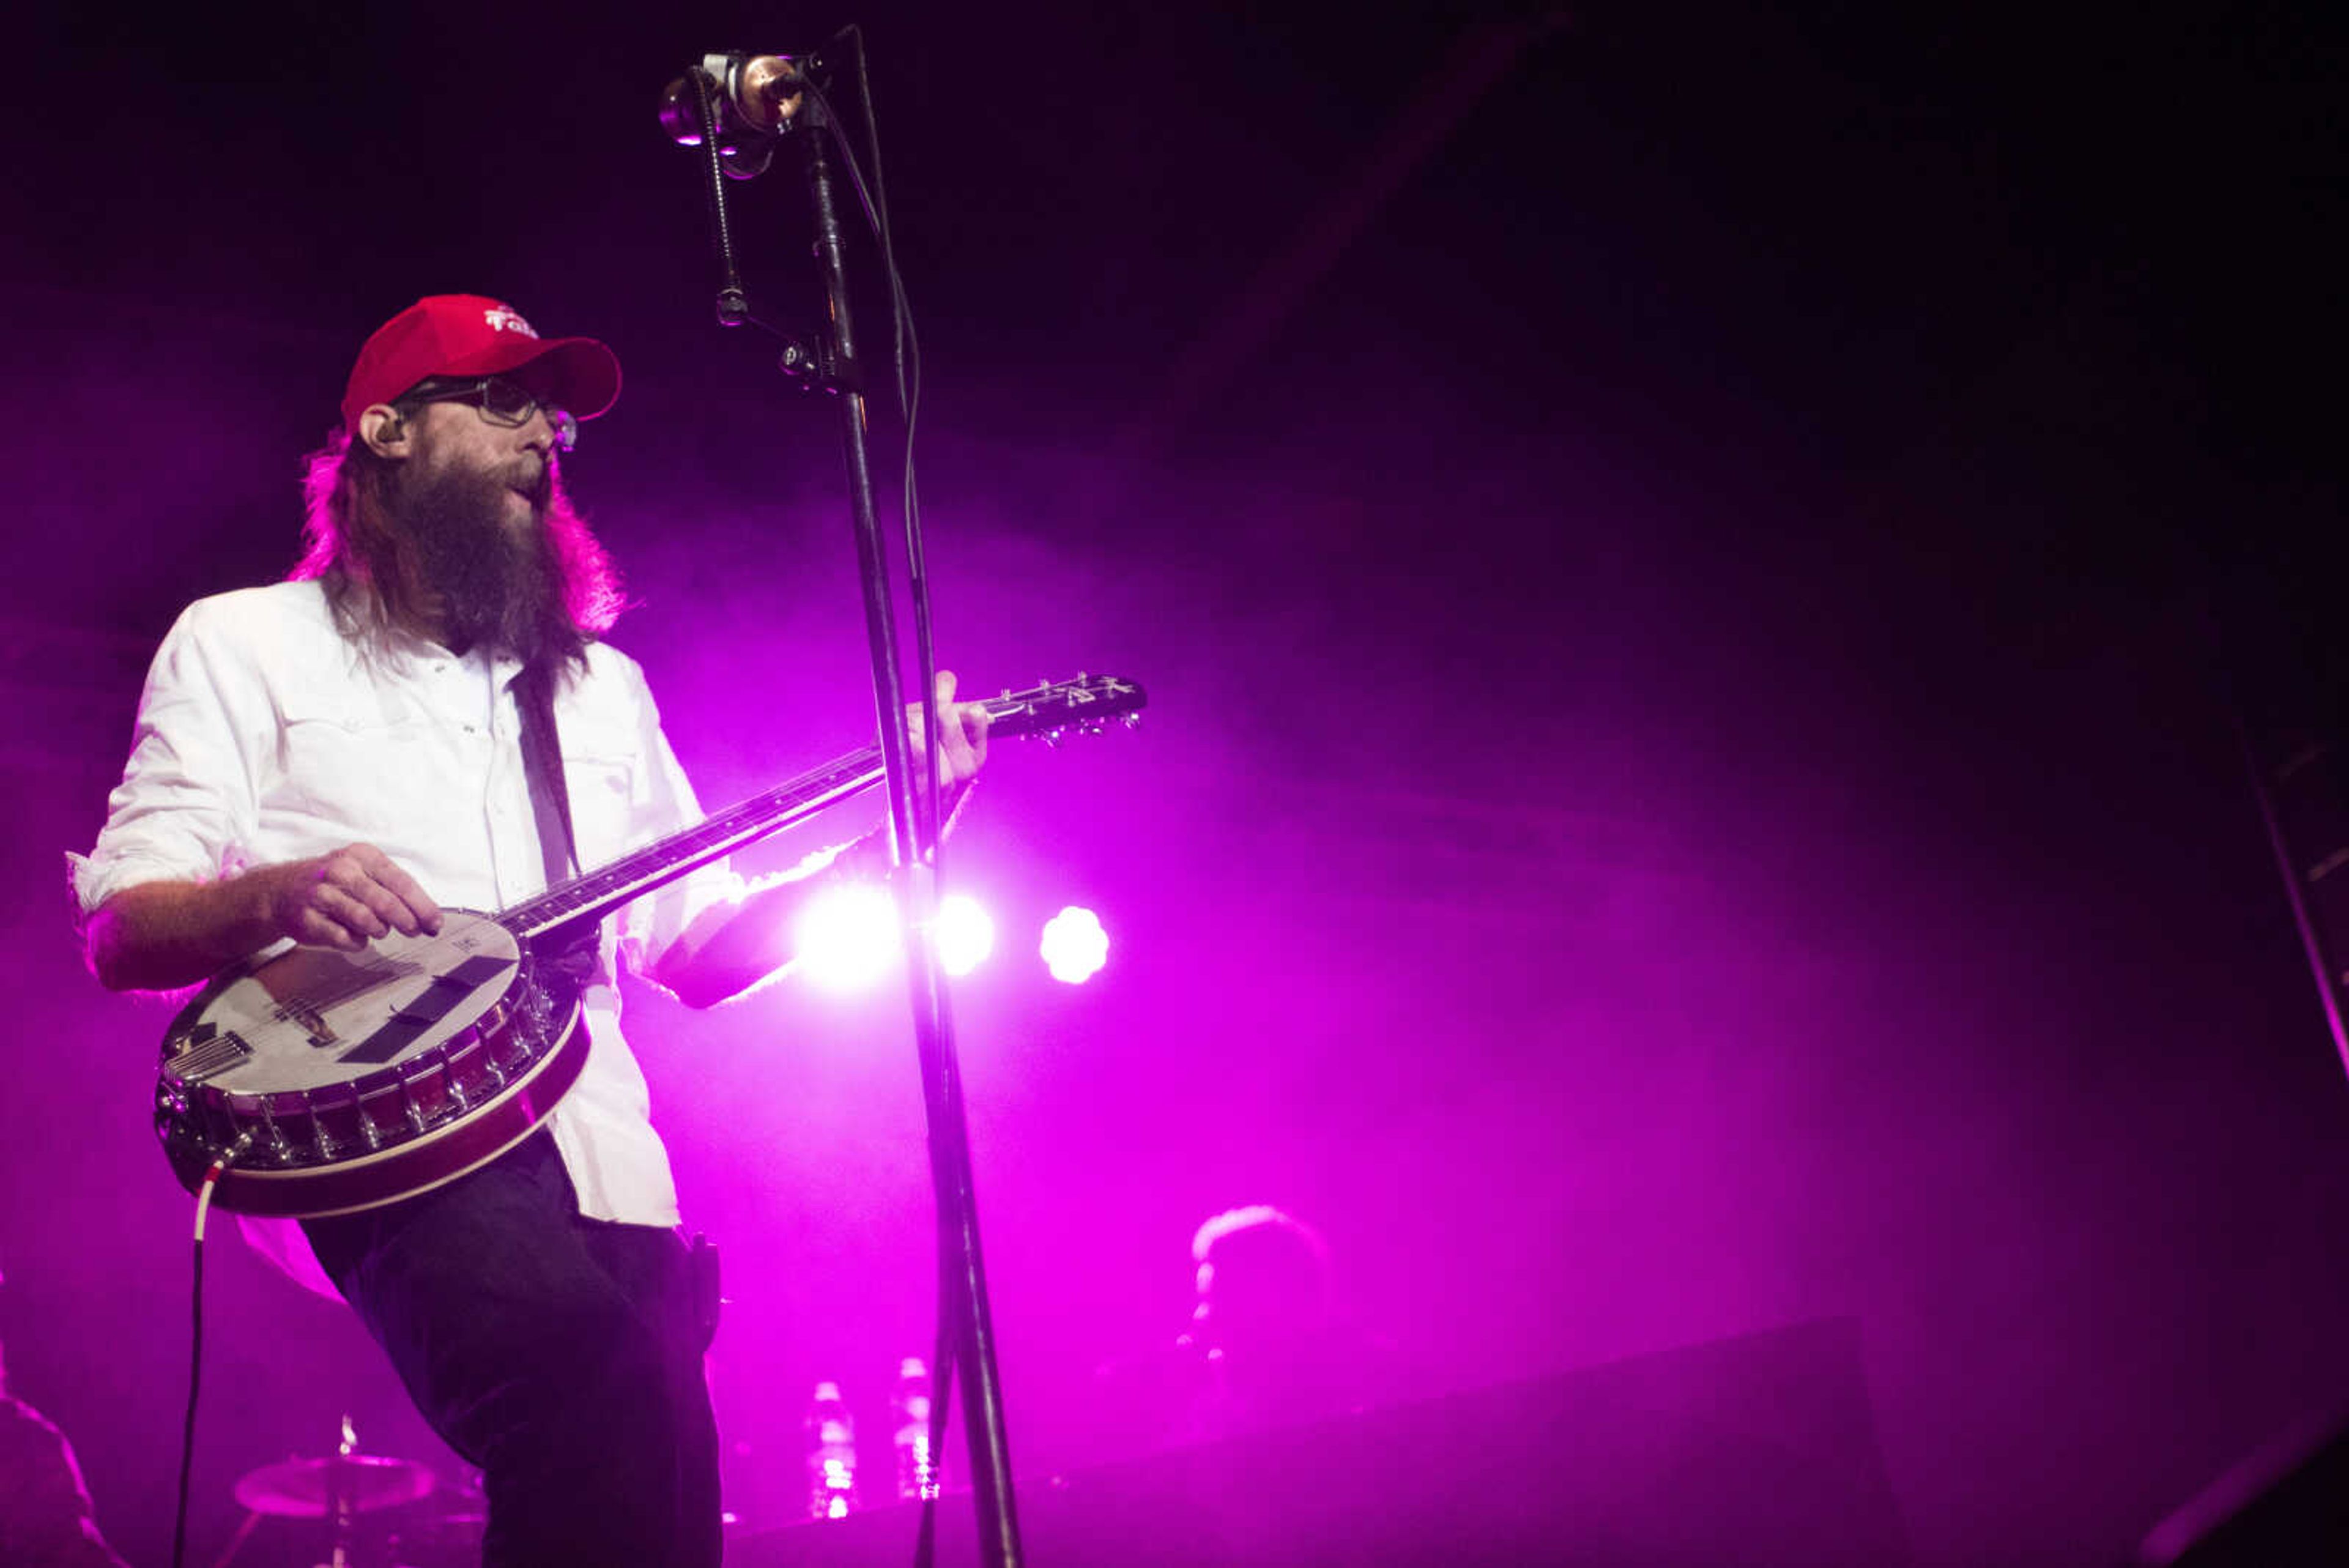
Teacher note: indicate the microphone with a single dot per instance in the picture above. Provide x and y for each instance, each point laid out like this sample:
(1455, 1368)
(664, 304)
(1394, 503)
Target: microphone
(759, 96)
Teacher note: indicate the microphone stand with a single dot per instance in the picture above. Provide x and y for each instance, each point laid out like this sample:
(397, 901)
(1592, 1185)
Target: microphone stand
(971, 1329)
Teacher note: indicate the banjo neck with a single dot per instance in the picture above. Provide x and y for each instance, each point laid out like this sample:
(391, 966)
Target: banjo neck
(595, 894)
(1084, 704)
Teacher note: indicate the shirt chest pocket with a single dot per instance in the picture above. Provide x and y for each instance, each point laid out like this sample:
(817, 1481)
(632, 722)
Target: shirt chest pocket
(361, 769)
(599, 769)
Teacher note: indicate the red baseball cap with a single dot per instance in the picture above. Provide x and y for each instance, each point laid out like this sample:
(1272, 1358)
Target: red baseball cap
(467, 335)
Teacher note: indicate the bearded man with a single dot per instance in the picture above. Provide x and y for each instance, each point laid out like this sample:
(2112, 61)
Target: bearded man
(324, 761)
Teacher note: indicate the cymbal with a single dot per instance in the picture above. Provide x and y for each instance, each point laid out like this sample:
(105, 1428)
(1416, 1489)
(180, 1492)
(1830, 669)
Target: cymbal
(298, 1488)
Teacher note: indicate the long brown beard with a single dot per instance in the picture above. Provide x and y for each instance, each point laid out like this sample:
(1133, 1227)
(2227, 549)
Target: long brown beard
(495, 586)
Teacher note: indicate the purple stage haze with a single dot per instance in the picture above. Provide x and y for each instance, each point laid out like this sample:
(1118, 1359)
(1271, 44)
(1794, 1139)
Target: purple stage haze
(1686, 790)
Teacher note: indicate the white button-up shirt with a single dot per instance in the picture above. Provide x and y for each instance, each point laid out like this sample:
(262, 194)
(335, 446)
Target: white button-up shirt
(265, 735)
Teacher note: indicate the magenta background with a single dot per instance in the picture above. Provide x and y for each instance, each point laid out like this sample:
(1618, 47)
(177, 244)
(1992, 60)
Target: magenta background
(1687, 787)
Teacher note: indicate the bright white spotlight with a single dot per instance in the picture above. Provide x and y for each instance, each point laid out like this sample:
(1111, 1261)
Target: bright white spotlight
(964, 934)
(1074, 946)
(847, 936)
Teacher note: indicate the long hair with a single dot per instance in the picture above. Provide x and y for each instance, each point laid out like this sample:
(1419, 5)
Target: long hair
(373, 574)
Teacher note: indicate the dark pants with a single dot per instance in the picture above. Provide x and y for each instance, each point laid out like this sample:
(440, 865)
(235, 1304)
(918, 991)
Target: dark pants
(559, 1353)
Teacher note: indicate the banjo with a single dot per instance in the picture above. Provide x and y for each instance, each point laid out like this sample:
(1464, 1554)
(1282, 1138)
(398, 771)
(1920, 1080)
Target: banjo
(328, 1081)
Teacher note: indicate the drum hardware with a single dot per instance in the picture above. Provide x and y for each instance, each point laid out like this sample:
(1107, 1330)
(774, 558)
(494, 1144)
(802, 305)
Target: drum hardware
(335, 1489)
(327, 1487)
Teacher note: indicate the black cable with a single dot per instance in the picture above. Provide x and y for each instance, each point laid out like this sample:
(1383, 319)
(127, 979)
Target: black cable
(879, 211)
(950, 1314)
(196, 1341)
(877, 214)
(908, 363)
(926, 1537)
(909, 385)
(187, 1427)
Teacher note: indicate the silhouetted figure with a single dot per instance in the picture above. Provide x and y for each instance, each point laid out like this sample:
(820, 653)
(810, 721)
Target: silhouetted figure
(46, 1517)
(1270, 1344)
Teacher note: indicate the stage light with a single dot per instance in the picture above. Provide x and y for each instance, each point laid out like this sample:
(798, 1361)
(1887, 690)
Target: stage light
(1074, 946)
(964, 934)
(847, 937)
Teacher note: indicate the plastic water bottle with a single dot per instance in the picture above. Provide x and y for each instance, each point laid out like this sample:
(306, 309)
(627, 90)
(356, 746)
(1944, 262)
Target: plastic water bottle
(909, 1410)
(831, 1455)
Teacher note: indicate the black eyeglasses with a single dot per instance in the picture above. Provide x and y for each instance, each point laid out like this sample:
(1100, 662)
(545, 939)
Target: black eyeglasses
(501, 403)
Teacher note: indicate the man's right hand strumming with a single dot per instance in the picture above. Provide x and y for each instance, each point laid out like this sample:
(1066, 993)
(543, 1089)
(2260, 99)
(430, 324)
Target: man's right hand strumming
(346, 898)
(159, 936)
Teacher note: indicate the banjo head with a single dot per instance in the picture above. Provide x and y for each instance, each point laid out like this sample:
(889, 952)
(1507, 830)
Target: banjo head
(315, 1018)
(347, 1080)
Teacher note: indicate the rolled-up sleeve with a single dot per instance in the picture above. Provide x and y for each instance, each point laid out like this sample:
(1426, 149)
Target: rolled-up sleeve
(187, 799)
